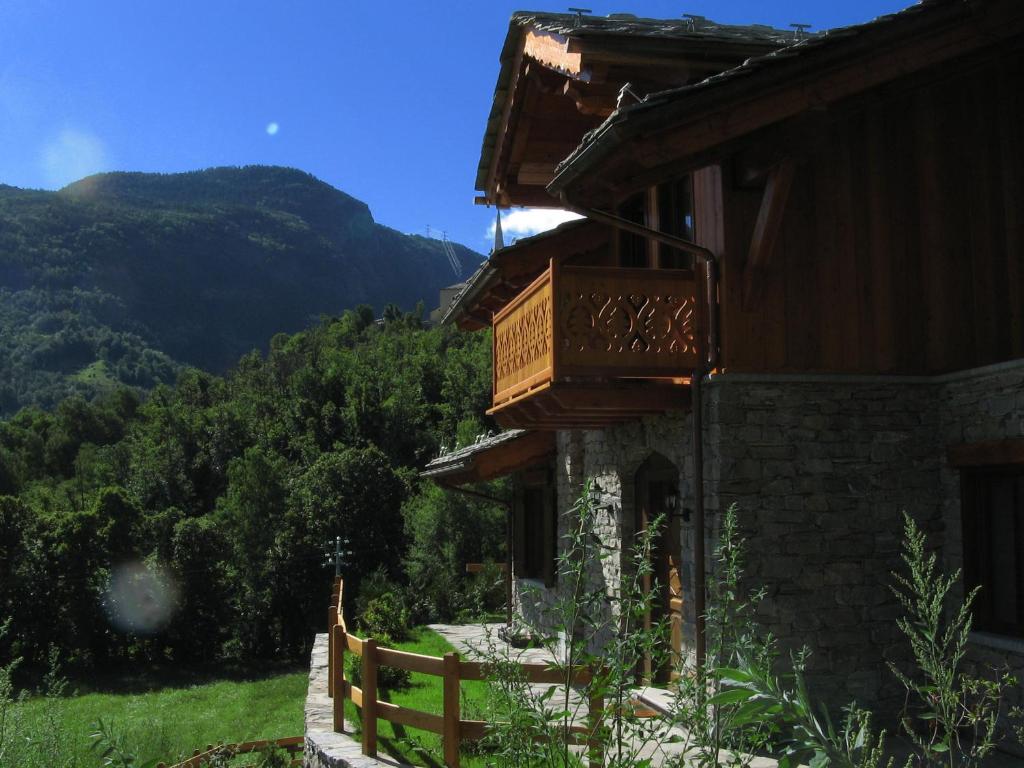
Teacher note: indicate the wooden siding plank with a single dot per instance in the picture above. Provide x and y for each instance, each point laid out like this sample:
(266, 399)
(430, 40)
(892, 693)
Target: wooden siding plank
(1010, 120)
(884, 256)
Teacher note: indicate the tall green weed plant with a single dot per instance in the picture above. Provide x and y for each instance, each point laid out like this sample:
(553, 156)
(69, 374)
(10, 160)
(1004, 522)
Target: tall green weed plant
(746, 700)
(952, 716)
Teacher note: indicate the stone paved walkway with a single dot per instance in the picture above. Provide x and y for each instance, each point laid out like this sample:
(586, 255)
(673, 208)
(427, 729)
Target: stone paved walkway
(326, 749)
(663, 746)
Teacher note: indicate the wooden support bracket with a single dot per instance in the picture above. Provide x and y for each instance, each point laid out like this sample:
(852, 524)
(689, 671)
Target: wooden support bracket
(766, 229)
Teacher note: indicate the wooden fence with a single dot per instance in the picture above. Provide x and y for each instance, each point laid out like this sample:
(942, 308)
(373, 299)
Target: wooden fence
(450, 725)
(293, 745)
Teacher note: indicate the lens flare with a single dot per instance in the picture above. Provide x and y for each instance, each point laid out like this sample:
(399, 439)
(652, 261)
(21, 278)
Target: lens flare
(140, 598)
(272, 129)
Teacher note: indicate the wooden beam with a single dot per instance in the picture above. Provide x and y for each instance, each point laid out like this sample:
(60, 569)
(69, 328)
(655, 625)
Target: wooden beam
(601, 103)
(526, 196)
(552, 51)
(535, 174)
(632, 399)
(499, 144)
(990, 453)
(766, 229)
(526, 451)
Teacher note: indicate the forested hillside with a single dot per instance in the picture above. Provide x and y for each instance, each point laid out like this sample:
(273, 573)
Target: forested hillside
(191, 526)
(121, 278)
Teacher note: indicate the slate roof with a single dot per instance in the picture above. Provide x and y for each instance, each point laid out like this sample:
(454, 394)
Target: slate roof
(480, 279)
(626, 24)
(805, 49)
(696, 29)
(462, 459)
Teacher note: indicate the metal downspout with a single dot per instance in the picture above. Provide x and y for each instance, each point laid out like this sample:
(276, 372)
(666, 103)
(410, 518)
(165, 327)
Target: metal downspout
(709, 360)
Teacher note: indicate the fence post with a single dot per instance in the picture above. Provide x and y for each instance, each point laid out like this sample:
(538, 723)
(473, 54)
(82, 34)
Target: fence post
(452, 712)
(332, 620)
(337, 640)
(596, 717)
(370, 697)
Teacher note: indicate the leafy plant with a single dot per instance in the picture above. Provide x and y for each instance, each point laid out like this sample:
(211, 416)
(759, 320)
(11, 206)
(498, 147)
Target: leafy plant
(951, 716)
(111, 746)
(13, 738)
(388, 678)
(609, 635)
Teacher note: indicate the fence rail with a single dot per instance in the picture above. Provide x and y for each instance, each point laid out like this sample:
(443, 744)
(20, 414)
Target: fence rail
(450, 725)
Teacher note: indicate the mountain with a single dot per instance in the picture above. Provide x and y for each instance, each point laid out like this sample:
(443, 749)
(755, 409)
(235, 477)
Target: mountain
(123, 277)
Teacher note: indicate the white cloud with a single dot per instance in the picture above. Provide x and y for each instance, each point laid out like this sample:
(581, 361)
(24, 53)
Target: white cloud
(71, 156)
(523, 222)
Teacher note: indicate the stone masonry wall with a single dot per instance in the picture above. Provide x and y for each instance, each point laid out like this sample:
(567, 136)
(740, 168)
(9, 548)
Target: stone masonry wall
(821, 469)
(610, 458)
(975, 407)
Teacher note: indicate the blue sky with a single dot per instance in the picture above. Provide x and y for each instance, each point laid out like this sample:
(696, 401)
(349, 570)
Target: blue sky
(384, 100)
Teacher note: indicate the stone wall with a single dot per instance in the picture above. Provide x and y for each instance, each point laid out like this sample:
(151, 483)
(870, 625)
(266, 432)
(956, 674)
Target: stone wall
(610, 458)
(821, 468)
(977, 406)
(324, 748)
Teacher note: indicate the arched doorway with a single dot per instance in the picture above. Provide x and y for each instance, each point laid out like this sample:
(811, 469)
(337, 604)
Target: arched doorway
(657, 492)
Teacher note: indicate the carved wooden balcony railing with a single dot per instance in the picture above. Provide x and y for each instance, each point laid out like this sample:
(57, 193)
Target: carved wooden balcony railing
(571, 348)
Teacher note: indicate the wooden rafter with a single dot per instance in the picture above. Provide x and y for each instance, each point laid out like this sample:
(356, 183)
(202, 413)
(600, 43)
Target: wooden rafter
(591, 101)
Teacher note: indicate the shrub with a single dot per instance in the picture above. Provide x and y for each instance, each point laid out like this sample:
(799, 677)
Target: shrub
(390, 678)
(445, 531)
(385, 616)
(380, 609)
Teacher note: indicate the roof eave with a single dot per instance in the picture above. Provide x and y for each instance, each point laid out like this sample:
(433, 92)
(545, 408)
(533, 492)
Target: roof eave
(701, 102)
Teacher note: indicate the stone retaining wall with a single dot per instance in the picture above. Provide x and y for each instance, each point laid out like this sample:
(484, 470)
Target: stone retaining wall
(324, 747)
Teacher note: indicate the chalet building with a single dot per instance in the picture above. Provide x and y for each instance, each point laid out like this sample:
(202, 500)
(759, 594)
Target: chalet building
(798, 288)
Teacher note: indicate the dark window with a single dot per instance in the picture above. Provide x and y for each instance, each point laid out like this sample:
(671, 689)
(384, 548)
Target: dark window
(533, 545)
(671, 211)
(536, 533)
(993, 529)
(675, 217)
(632, 248)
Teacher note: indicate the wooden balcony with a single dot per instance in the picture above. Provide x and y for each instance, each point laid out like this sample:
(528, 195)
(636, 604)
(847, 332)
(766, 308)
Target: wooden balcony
(584, 347)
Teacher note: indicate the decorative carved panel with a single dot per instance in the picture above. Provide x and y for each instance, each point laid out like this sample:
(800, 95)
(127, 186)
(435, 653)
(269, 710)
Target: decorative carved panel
(611, 320)
(608, 323)
(523, 341)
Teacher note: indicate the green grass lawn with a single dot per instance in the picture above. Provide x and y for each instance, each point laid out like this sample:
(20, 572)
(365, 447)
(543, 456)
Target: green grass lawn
(167, 715)
(169, 723)
(425, 694)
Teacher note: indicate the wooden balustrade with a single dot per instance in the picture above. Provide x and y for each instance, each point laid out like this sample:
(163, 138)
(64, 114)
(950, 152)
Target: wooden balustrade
(575, 325)
(523, 341)
(624, 322)
(450, 725)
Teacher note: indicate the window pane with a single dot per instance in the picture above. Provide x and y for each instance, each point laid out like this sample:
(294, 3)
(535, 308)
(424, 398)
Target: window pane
(533, 512)
(993, 504)
(675, 215)
(1003, 549)
(632, 248)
